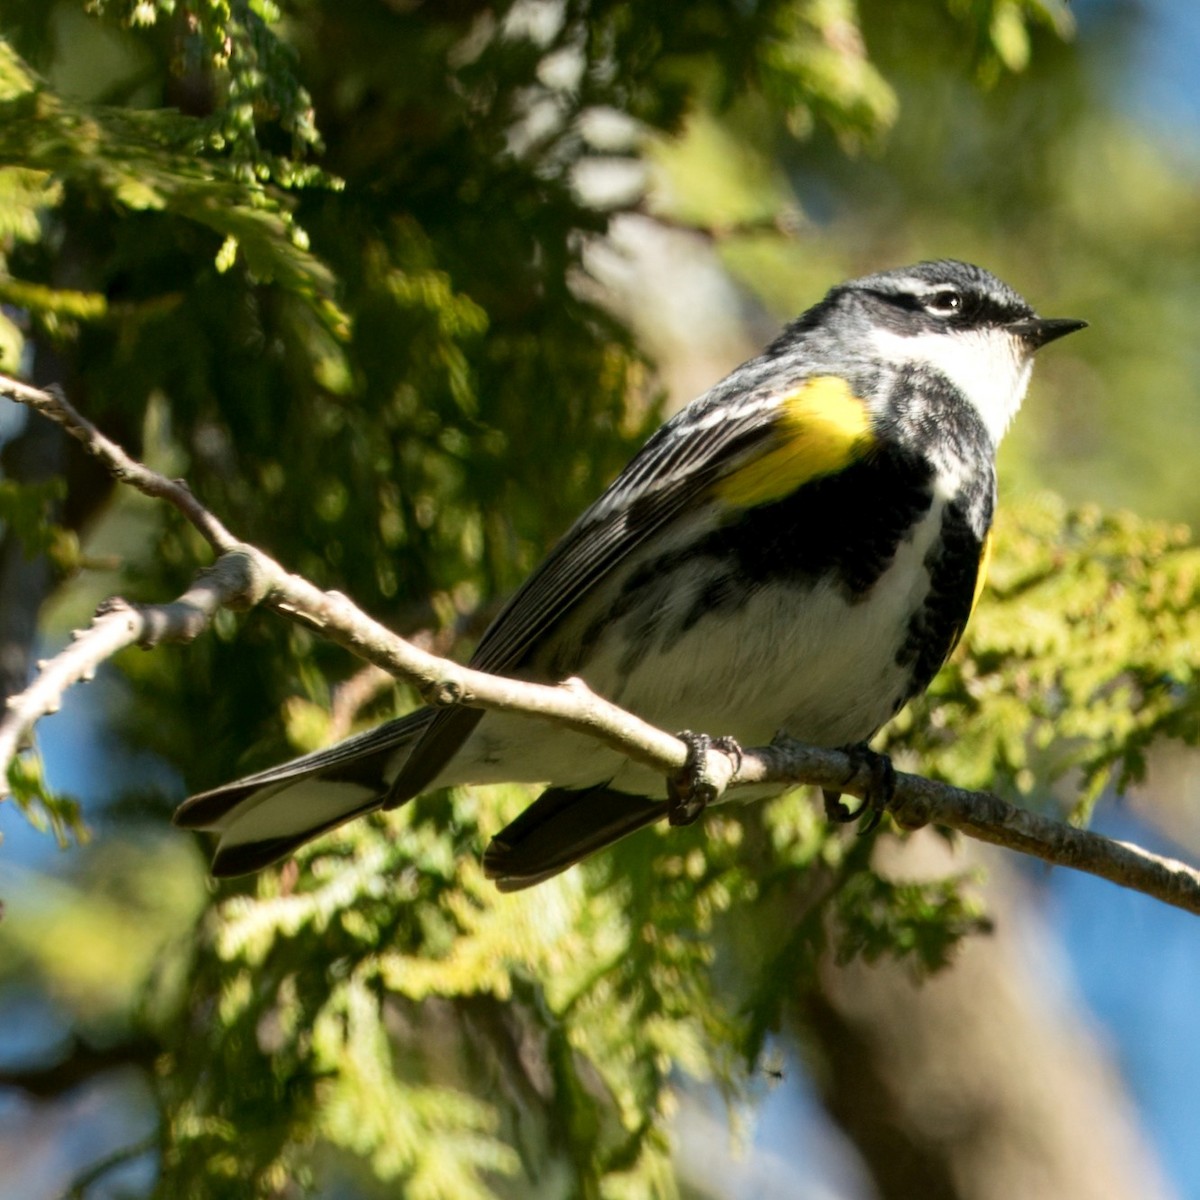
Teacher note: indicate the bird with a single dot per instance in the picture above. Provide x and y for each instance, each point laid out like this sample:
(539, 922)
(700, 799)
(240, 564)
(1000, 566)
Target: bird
(797, 550)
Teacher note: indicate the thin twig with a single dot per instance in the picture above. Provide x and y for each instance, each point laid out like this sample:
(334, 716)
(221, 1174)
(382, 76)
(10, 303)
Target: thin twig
(116, 625)
(77, 1064)
(352, 695)
(783, 222)
(52, 404)
(79, 1187)
(245, 575)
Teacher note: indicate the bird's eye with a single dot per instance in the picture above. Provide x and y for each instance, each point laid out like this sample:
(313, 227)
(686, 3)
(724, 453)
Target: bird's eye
(944, 303)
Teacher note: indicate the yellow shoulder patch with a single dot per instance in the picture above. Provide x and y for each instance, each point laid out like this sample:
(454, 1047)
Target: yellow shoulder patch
(823, 427)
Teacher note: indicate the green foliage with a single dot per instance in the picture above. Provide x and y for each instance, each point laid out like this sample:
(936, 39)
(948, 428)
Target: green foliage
(1082, 657)
(70, 936)
(142, 161)
(384, 951)
(1002, 30)
(921, 921)
(29, 511)
(816, 67)
(45, 809)
(252, 71)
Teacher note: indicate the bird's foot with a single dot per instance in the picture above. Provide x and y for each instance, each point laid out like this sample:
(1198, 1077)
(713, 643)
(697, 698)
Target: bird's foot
(880, 790)
(691, 790)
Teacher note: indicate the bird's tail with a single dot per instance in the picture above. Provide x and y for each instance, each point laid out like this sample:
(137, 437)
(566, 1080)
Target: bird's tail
(561, 827)
(265, 817)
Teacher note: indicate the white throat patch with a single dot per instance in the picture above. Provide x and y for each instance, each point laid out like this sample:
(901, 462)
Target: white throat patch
(991, 367)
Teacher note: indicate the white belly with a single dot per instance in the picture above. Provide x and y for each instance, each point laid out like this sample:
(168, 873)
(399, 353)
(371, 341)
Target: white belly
(810, 662)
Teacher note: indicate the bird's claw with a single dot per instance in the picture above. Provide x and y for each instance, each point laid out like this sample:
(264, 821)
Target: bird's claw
(880, 790)
(690, 790)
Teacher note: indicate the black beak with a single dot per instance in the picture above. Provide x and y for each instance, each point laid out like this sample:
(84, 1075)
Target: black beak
(1038, 331)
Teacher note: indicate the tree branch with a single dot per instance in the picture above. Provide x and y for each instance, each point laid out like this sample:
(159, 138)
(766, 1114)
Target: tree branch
(244, 576)
(785, 222)
(919, 801)
(78, 1062)
(51, 403)
(118, 624)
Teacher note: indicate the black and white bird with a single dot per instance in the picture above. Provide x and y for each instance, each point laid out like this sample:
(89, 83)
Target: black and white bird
(798, 549)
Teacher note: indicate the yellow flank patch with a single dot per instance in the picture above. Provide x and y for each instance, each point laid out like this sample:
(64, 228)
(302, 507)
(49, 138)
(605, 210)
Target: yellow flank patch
(823, 427)
(985, 559)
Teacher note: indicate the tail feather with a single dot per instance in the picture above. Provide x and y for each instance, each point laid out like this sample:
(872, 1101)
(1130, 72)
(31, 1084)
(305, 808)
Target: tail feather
(561, 827)
(265, 816)
(238, 853)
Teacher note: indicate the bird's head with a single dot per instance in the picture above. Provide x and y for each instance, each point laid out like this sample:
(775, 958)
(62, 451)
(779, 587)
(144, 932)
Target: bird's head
(956, 319)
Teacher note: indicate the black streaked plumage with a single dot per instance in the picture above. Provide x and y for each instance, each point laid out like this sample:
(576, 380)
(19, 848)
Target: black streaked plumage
(685, 601)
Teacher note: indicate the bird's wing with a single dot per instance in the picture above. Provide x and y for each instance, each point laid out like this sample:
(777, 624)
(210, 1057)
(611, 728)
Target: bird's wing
(749, 452)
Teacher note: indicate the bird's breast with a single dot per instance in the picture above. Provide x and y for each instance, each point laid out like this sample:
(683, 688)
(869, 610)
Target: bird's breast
(821, 613)
(824, 660)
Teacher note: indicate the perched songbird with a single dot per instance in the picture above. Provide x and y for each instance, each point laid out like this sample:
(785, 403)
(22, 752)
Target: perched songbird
(798, 549)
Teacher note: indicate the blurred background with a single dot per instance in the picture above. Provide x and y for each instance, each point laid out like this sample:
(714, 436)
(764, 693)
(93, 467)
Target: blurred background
(1057, 145)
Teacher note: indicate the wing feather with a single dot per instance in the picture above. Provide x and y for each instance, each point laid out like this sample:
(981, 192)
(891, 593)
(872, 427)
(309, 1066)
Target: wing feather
(703, 444)
(674, 467)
